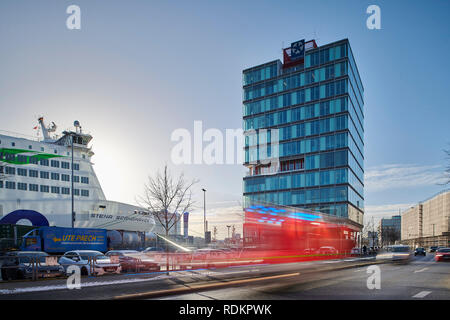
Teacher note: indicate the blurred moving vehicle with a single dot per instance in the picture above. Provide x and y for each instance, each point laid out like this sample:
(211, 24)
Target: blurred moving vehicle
(356, 251)
(420, 251)
(132, 260)
(22, 264)
(327, 250)
(396, 253)
(442, 254)
(153, 249)
(90, 262)
(433, 249)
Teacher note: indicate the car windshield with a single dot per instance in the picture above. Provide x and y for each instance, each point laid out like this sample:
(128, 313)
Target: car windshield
(25, 257)
(130, 252)
(444, 250)
(91, 255)
(420, 249)
(400, 249)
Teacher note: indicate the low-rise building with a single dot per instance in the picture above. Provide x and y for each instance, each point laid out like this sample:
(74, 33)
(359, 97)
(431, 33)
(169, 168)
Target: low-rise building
(428, 223)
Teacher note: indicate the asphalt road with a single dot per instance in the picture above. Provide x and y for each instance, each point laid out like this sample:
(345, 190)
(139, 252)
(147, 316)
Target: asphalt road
(423, 278)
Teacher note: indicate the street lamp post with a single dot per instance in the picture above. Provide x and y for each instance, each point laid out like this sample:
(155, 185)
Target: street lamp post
(204, 212)
(73, 211)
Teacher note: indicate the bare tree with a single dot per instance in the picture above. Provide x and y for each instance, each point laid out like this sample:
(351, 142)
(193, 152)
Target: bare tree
(167, 198)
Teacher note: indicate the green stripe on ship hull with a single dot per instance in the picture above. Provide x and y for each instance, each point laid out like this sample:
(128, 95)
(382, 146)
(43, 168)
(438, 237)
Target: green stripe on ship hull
(15, 152)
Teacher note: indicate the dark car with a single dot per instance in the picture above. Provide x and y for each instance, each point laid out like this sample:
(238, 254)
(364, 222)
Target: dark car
(132, 260)
(433, 249)
(22, 264)
(420, 251)
(442, 254)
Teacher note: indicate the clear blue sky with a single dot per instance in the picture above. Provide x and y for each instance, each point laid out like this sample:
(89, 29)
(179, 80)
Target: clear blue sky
(137, 70)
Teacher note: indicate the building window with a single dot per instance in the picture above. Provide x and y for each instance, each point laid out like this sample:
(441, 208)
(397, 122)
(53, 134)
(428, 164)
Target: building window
(55, 163)
(65, 190)
(1, 184)
(85, 180)
(65, 177)
(10, 170)
(76, 166)
(33, 160)
(76, 178)
(13, 144)
(85, 193)
(22, 186)
(10, 185)
(44, 162)
(55, 176)
(44, 175)
(76, 192)
(55, 190)
(45, 188)
(30, 147)
(22, 172)
(22, 159)
(65, 165)
(33, 173)
(33, 187)
(42, 148)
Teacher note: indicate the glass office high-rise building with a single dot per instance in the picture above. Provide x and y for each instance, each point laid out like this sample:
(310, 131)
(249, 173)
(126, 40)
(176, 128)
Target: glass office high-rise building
(303, 122)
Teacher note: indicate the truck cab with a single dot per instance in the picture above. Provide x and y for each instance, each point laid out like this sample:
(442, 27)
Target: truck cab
(32, 241)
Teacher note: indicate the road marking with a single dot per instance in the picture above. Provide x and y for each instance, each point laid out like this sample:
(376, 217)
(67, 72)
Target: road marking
(421, 270)
(182, 290)
(359, 270)
(422, 294)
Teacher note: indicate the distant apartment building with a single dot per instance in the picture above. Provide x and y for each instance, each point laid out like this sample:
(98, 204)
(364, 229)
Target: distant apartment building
(428, 223)
(389, 230)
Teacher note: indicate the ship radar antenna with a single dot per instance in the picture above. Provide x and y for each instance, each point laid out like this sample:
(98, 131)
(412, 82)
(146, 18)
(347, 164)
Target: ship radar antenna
(77, 125)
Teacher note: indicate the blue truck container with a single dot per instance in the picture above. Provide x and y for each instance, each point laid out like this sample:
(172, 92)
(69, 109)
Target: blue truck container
(60, 240)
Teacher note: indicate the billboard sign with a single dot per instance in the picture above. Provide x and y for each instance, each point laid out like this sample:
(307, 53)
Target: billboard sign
(185, 224)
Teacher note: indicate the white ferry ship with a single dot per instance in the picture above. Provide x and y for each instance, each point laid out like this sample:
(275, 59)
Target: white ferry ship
(36, 184)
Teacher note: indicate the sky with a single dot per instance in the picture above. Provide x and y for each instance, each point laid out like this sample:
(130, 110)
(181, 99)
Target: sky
(138, 70)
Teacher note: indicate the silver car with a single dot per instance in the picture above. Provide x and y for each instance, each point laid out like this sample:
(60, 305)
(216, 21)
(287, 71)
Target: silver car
(90, 262)
(396, 253)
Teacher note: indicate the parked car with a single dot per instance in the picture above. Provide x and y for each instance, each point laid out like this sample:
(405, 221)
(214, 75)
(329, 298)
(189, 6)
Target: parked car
(90, 262)
(420, 251)
(132, 260)
(442, 254)
(396, 253)
(19, 265)
(433, 248)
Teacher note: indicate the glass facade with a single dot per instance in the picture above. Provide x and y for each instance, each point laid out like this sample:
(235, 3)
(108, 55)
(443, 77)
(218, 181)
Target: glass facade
(304, 132)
